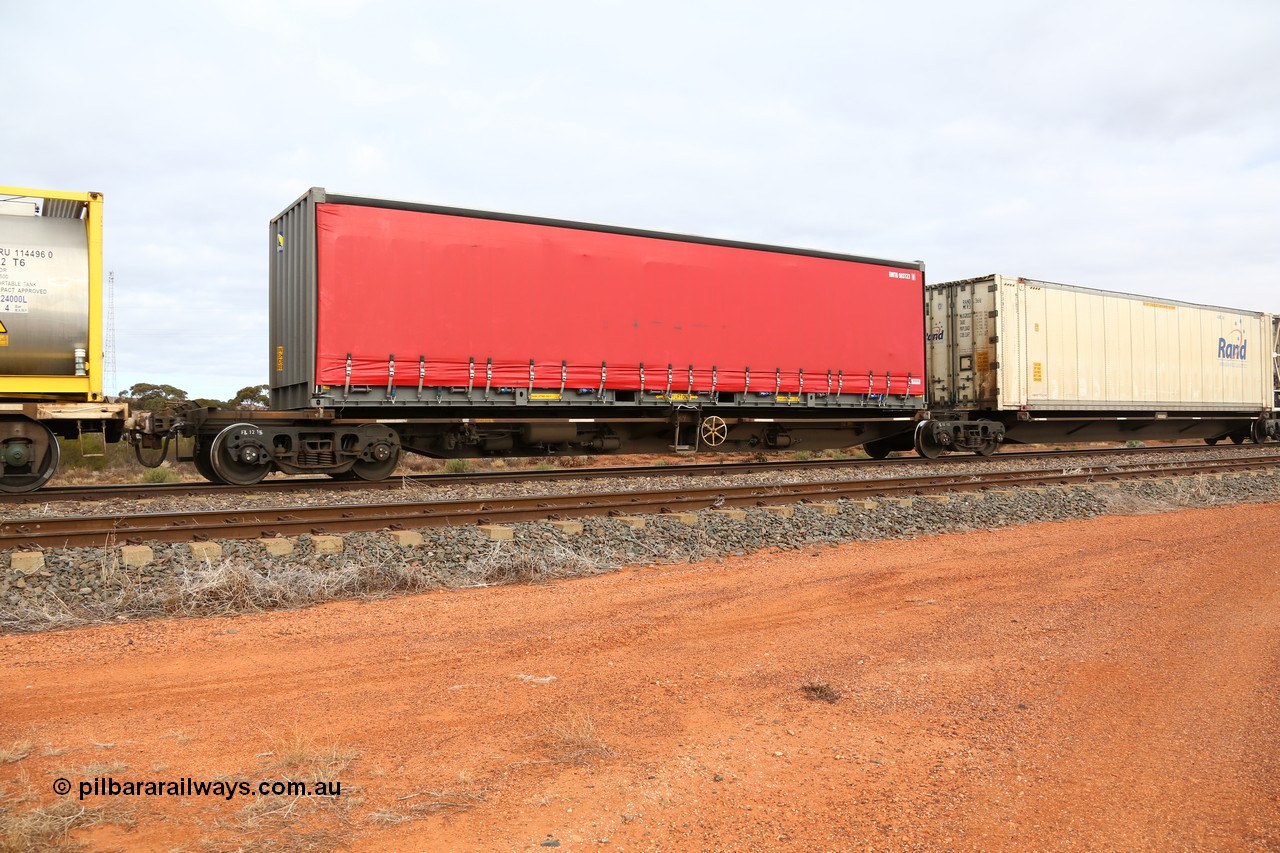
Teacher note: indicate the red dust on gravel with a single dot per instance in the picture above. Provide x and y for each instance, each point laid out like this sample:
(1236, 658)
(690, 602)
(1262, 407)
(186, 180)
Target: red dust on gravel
(1103, 684)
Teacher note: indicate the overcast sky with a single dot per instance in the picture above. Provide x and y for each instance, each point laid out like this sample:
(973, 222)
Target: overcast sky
(1122, 145)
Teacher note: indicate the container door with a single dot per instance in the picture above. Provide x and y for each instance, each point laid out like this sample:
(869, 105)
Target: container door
(939, 346)
(1274, 324)
(962, 297)
(961, 344)
(986, 328)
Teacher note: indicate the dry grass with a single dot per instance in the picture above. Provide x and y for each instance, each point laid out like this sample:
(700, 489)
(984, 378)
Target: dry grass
(163, 474)
(17, 751)
(388, 817)
(1182, 492)
(503, 564)
(433, 803)
(298, 752)
(49, 828)
(587, 461)
(91, 770)
(1192, 491)
(571, 739)
(231, 586)
(272, 823)
(234, 586)
(412, 465)
(225, 588)
(1125, 503)
(293, 841)
(820, 691)
(575, 739)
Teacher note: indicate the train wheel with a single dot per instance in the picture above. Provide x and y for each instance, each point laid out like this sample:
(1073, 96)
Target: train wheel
(877, 449)
(1211, 441)
(926, 446)
(988, 448)
(1237, 438)
(203, 460)
(21, 442)
(381, 467)
(345, 475)
(237, 461)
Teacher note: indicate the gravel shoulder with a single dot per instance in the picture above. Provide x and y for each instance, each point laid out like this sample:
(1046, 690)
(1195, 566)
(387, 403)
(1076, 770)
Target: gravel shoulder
(79, 586)
(1093, 683)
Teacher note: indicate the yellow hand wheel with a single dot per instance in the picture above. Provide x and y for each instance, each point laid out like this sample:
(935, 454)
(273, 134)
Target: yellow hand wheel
(714, 431)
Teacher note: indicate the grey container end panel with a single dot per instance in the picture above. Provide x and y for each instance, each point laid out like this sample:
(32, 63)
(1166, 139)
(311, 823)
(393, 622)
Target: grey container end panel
(292, 355)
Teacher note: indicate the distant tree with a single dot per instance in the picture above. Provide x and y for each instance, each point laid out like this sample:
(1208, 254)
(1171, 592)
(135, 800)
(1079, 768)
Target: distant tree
(209, 404)
(253, 397)
(144, 395)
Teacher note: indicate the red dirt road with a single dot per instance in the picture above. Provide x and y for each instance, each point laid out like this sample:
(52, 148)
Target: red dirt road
(1104, 684)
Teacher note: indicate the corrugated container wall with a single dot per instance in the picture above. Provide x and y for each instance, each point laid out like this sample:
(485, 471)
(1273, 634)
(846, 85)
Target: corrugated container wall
(1003, 343)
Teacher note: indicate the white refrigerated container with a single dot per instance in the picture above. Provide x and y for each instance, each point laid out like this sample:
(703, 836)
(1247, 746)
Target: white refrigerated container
(1001, 343)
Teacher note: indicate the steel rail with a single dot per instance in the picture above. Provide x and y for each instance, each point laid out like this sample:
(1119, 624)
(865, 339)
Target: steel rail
(109, 530)
(131, 491)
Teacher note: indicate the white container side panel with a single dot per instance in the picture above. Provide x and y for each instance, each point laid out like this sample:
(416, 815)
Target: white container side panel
(1009, 343)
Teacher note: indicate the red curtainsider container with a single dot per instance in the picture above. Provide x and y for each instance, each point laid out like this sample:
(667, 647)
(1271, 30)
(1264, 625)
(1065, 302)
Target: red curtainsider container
(377, 301)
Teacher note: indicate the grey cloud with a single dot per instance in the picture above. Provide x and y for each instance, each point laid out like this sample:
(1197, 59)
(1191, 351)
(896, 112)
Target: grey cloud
(1134, 146)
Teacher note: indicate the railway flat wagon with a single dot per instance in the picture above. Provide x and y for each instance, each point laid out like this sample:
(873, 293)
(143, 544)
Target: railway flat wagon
(50, 332)
(451, 332)
(1036, 361)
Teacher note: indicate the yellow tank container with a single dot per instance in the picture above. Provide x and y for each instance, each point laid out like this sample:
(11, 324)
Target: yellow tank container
(51, 341)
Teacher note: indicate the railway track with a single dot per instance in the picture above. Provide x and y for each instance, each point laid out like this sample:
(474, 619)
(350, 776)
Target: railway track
(131, 491)
(109, 530)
